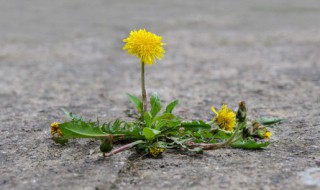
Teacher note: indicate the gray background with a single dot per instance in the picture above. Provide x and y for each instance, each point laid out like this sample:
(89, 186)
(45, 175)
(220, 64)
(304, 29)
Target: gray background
(67, 54)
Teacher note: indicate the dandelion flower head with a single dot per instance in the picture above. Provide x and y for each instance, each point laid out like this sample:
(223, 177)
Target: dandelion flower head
(267, 135)
(55, 129)
(225, 118)
(156, 151)
(145, 45)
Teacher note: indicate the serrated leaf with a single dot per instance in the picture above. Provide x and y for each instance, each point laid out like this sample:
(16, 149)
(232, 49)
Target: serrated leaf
(107, 127)
(249, 144)
(132, 131)
(116, 125)
(71, 115)
(112, 127)
(137, 103)
(120, 127)
(155, 104)
(195, 125)
(149, 133)
(81, 129)
(171, 106)
(268, 120)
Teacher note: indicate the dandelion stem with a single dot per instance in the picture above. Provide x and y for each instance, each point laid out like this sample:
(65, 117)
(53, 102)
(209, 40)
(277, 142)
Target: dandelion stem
(205, 146)
(123, 148)
(143, 90)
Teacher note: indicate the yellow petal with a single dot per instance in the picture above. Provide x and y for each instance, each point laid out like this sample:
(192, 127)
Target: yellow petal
(214, 110)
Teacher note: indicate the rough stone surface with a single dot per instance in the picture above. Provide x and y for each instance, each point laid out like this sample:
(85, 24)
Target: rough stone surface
(67, 54)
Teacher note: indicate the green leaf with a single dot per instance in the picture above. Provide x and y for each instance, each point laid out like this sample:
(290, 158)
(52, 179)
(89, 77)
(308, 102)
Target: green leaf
(180, 142)
(269, 120)
(205, 134)
(160, 123)
(112, 127)
(195, 125)
(249, 144)
(149, 133)
(148, 119)
(175, 124)
(202, 136)
(171, 106)
(222, 134)
(165, 116)
(81, 129)
(137, 103)
(197, 150)
(162, 144)
(71, 115)
(131, 130)
(60, 140)
(155, 104)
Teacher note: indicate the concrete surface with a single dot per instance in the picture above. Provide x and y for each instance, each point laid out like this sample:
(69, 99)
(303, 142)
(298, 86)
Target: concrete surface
(67, 54)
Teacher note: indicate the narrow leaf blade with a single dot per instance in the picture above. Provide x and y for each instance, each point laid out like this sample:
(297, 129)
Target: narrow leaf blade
(165, 116)
(249, 144)
(155, 104)
(60, 140)
(148, 119)
(195, 125)
(171, 106)
(269, 120)
(137, 103)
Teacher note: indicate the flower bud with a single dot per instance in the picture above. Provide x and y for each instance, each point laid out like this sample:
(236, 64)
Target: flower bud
(106, 145)
(242, 112)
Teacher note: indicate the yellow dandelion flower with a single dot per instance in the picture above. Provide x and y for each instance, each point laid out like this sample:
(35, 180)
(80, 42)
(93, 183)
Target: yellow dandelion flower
(226, 118)
(55, 129)
(145, 45)
(267, 135)
(156, 151)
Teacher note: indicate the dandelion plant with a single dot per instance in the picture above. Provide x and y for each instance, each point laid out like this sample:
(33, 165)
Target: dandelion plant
(155, 130)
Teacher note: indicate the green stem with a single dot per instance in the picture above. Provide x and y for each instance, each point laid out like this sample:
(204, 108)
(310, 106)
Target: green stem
(129, 138)
(143, 90)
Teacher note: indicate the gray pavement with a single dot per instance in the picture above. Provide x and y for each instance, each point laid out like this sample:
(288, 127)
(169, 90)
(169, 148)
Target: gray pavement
(67, 54)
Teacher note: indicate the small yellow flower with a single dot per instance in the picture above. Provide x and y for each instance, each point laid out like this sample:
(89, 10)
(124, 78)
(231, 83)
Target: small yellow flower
(156, 151)
(226, 118)
(55, 129)
(267, 135)
(145, 45)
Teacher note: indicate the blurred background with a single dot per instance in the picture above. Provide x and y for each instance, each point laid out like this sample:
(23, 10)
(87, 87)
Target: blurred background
(49, 47)
(68, 54)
